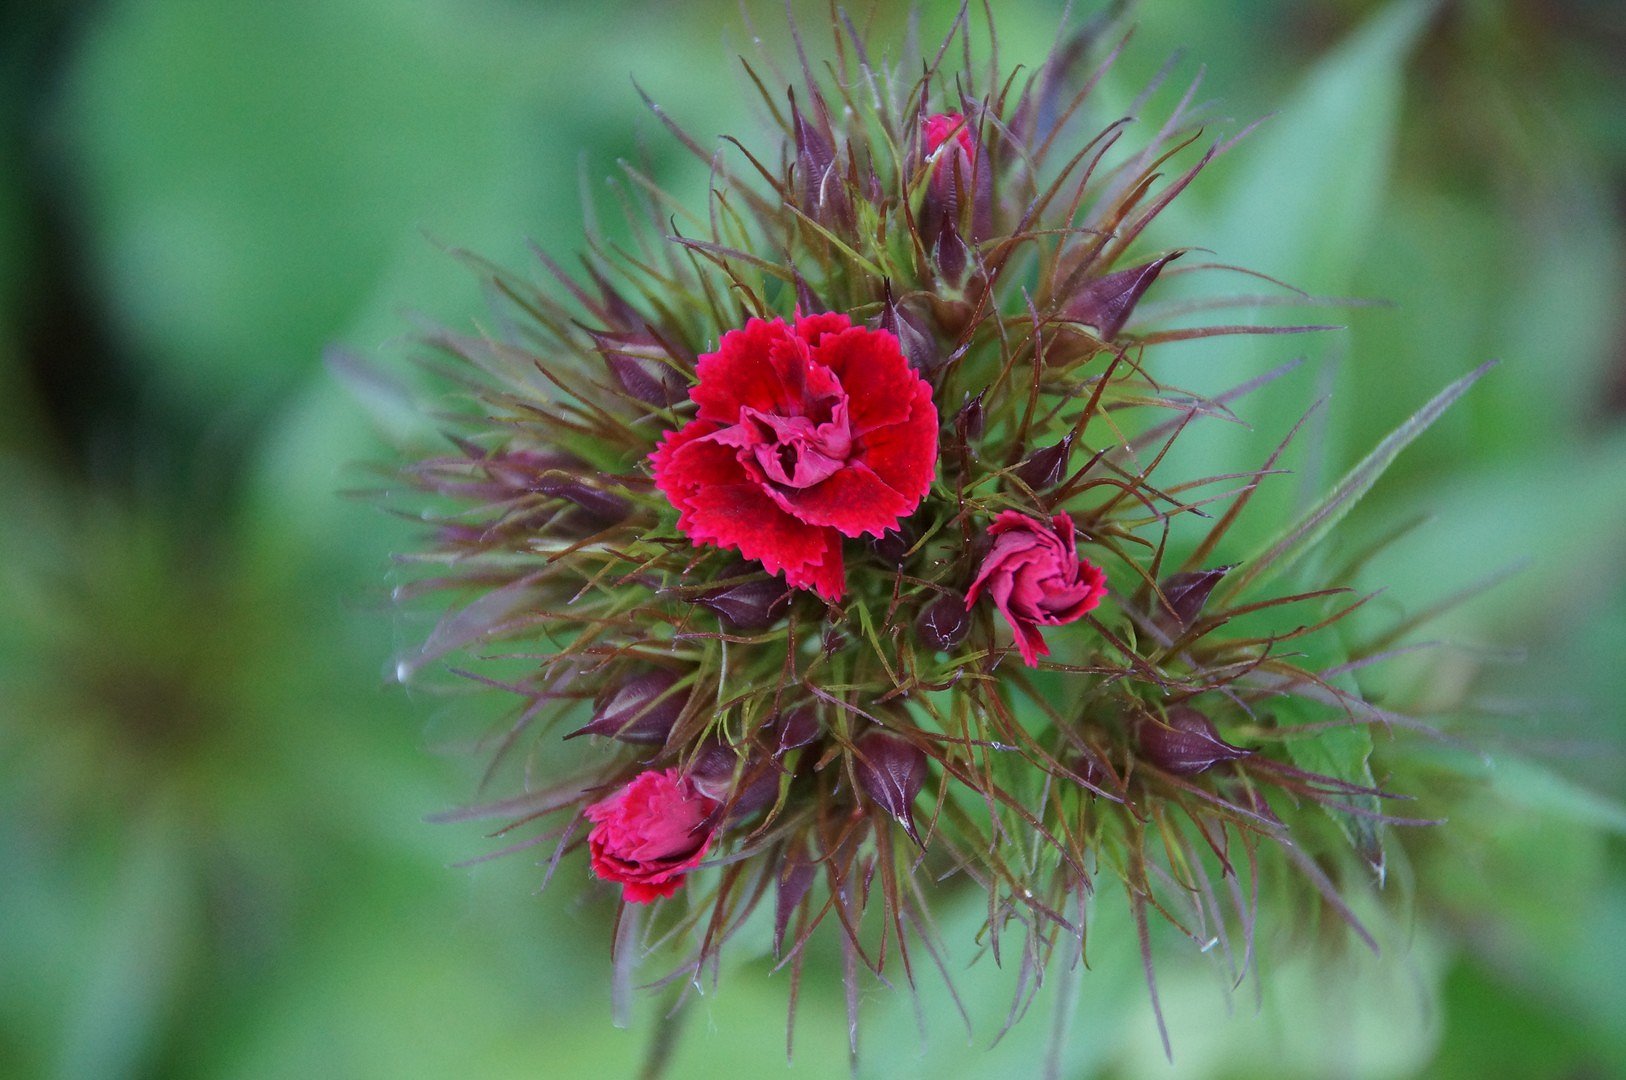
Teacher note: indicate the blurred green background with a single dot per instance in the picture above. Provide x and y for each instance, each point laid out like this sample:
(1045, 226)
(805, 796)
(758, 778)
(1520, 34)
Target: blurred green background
(212, 855)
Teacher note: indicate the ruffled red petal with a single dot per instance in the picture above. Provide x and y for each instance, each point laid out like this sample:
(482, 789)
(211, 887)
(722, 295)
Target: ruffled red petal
(905, 455)
(740, 373)
(686, 459)
(810, 328)
(743, 517)
(876, 427)
(852, 500)
(880, 384)
(827, 577)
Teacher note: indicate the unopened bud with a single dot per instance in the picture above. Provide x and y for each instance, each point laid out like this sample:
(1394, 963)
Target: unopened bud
(892, 770)
(1088, 768)
(1186, 593)
(794, 729)
(637, 361)
(1107, 301)
(1046, 468)
(603, 507)
(823, 189)
(971, 418)
(914, 340)
(754, 604)
(893, 547)
(718, 774)
(637, 710)
(951, 254)
(1186, 744)
(944, 622)
(796, 874)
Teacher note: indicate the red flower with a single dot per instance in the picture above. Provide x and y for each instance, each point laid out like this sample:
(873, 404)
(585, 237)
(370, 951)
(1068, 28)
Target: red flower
(805, 434)
(650, 833)
(1036, 578)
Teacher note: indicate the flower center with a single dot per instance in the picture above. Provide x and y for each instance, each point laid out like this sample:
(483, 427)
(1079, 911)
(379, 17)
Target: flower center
(799, 451)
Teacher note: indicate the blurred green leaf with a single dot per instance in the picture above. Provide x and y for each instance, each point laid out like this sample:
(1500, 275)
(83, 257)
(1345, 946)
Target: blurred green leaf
(131, 968)
(251, 171)
(1535, 787)
(1320, 519)
(1301, 201)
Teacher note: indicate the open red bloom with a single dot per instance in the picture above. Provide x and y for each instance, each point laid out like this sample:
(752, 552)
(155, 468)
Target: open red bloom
(1036, 578)
(805, 434)
(651, 833)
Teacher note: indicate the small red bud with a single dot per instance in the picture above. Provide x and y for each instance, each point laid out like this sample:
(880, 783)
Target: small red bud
(892, 770)
(794, 729)
(944, 622)
(822, 188)
(894, 545)
(1107, 302)
(754, 604)
(1048, 467)
(1186, 594)
(637, 710)
(972, 416)
(600, 505)
(1088, 768)
(635, 361)
(713, 774)
(796, 873)
(1186, 744)
(914, 339)
(951, 254)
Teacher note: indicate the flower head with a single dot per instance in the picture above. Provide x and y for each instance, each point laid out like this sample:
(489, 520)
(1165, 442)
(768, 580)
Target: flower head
(806, 433)
(1035, 578)
(935, 343)
(651, 833)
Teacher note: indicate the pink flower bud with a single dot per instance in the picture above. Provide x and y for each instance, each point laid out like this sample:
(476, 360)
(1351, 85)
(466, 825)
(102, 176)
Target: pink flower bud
(650, 834)
(949, 144)
(1035, 578)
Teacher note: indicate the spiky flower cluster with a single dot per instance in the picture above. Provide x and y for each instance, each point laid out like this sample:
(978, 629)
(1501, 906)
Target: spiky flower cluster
(832, 520)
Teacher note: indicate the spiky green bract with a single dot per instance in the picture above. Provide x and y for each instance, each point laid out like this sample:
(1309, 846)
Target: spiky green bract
(1200, 716)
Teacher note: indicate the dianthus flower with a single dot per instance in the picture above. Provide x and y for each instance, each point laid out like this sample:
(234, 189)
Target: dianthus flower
(806, 433)
(1035, 578)
(649, 834)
